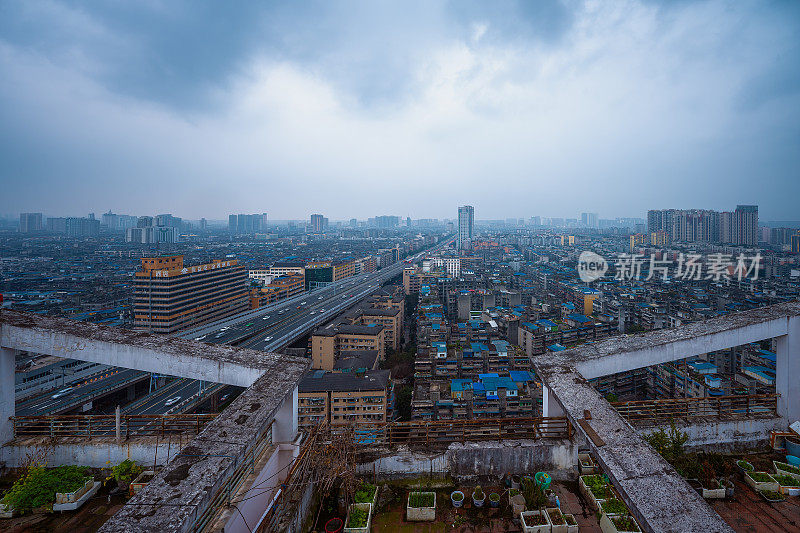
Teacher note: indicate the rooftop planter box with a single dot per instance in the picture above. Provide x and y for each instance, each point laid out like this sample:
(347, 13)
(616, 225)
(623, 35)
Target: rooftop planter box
(421, 507)
(535, 522)
(593, 489)
(359, 518)
(745, 466)
(142, 480)
(572, 524)
(786, 469)
(761, 481)
(586, 464)
(772, 496)
(367, 493)
(618, 524)
(72, 497)
(559, 525)
(716, 493)
(787, 485)
(6, 511)
(613, 506)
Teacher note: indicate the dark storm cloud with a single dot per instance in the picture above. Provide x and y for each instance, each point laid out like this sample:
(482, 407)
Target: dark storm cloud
(529, 107)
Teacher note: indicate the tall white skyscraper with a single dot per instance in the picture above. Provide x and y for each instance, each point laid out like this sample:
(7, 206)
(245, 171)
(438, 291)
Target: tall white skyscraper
(466, 222)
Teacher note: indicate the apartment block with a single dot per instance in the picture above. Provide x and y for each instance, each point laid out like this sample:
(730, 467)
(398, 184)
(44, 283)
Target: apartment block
(328, 343)
(343, 398)
(278, 289)
(170, 297)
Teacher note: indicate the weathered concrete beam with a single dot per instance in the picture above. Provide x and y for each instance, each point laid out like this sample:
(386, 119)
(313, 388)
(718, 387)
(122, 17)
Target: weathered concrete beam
(132, 349)
(658, 497)
(178, 495)
(623, 353)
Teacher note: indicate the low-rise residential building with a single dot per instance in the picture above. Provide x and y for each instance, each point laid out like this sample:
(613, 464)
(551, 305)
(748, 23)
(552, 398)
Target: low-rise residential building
(328, 342)
(343, 398)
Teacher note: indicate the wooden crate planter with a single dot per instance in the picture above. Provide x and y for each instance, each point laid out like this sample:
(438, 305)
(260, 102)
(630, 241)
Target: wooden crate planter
(421, 514)
(366, 507)
(572, 523)
(608, 524)
(786, 469)
(529, 517)
(770, 484)
(556, 518)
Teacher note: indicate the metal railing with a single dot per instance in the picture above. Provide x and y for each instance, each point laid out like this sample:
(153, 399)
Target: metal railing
(654, 412)
(89, 426)
(448, 431)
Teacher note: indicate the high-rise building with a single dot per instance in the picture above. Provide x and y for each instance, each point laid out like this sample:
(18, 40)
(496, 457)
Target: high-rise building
(244, 224)
(703, 225)
(74, 226)
(466, 222)
(170, 297)
(30, 222)
(794, 243)
(746, 222)
(317, 223)
(590, 220)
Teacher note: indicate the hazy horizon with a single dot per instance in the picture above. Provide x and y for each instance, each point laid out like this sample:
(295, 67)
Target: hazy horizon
(367, 108)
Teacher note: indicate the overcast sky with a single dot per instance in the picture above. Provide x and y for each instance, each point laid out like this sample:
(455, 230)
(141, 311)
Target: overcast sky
(354, 109)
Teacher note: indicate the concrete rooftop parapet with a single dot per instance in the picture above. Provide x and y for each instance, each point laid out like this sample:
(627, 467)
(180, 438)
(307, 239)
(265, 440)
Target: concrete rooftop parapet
(179, 494)
(619, 354)
(162, 354)
(657, 496)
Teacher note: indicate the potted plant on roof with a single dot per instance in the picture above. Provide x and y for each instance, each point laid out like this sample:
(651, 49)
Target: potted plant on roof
(358, 518)
(457, 497)
(618, 524)
(124, 472)
(711, 487)
(494, 499)
(478, 497)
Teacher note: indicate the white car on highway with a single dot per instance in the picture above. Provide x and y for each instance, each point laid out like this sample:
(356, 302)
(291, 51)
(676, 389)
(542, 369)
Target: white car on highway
(172, 401)
(61, 393)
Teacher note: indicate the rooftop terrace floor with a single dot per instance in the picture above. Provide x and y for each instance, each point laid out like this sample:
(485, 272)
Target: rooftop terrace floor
(748, 512)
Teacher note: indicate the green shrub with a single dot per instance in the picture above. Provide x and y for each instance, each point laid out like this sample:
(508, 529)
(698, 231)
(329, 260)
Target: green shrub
(668, 444)
(535, 497)
(421, 499)
(126, 470)
(40, 485)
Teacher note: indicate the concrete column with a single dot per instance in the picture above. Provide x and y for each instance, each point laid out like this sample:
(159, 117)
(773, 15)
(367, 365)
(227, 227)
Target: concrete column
(550, 406)
(285, 427)
(7, 408)
(787, 372)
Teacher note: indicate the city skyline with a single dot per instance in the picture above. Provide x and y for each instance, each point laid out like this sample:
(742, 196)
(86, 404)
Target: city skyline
(625, 106)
